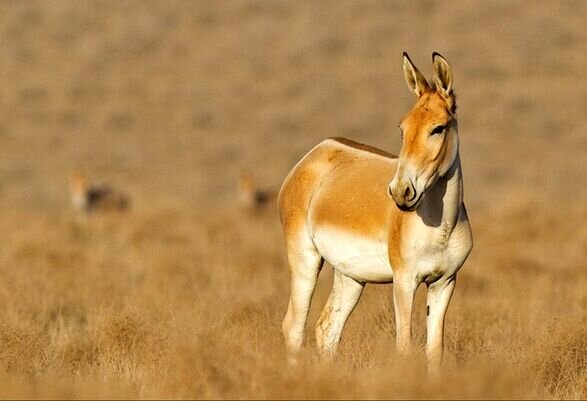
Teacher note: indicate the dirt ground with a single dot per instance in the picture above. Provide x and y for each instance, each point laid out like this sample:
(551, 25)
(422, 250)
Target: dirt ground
(183, 295)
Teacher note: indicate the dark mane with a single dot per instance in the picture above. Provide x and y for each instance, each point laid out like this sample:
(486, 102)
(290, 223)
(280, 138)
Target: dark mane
(362, 146)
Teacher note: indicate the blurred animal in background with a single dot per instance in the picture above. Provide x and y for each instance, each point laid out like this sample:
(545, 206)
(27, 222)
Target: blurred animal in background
(254, 199)
(87, 198)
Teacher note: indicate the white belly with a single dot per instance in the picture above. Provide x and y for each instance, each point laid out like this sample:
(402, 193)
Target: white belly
(362, 259)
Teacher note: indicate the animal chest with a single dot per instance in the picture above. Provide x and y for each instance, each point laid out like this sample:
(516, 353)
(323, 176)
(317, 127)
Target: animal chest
(436, 252)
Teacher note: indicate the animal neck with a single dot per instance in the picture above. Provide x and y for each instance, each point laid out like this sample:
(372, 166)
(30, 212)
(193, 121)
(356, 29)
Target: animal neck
(442, 202)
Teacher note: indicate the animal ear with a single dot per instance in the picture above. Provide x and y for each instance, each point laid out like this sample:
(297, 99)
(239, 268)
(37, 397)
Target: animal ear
(442, 74)
(414, 78)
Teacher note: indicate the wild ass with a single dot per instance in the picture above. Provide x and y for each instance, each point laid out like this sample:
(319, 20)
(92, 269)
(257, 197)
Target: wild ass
(334, 206)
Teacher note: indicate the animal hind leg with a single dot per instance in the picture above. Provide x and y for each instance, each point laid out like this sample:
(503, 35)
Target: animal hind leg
(342, 301)
(305, 264)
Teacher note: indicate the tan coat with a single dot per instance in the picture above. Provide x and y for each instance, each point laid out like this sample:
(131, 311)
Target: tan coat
(379, 218)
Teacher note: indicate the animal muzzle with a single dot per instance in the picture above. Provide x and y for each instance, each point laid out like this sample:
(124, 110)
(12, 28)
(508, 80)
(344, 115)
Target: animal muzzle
(404, 194)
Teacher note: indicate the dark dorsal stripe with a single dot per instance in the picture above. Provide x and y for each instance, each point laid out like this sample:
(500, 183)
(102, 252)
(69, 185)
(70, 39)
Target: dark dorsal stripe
(362, 146)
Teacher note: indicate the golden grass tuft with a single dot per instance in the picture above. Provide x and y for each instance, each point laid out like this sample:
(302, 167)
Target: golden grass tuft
(562, 364)
(126, 342)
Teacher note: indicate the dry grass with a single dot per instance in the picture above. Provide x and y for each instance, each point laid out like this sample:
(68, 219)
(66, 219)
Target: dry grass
(152, 305)
(183, 296)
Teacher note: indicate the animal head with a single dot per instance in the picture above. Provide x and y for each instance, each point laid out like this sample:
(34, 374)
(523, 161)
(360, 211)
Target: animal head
(246, 190)
(78, 186)
(429, 134)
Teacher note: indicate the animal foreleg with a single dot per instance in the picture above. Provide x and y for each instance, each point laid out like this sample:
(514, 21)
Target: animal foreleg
(404, 290)
(439, 295)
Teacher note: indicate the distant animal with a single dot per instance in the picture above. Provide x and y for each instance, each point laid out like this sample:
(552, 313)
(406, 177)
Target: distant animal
(379, 218)
(89, 198)
(252, 198)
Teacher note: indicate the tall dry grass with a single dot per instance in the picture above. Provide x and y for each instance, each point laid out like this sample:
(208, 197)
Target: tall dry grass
(173, 304)
(183, 295)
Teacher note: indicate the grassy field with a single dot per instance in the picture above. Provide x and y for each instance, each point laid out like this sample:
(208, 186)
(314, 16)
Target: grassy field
(183, 295)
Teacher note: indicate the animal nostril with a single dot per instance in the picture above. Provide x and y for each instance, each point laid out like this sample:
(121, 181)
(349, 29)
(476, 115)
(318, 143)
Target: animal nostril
(407, 192)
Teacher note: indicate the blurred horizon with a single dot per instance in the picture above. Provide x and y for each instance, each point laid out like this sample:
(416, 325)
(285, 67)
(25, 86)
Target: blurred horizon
(135, 91)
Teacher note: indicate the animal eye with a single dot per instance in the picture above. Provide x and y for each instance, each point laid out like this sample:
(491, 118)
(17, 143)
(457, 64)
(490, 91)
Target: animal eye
(438, 130)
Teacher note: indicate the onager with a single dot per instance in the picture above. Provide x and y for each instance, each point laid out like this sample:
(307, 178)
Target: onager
(88, 198)
(252, 198)
(335, 205)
